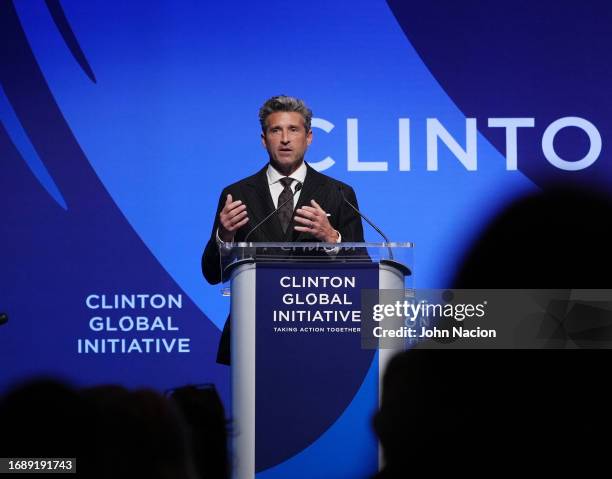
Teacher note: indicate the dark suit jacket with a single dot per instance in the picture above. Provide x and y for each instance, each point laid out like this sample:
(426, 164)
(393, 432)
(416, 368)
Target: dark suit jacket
(254, 192)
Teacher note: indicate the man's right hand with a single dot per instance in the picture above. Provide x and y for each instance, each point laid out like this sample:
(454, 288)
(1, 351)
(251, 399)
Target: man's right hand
(232, 217)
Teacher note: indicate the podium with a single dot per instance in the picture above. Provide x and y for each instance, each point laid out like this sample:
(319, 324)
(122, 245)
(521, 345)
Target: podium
(304, 387)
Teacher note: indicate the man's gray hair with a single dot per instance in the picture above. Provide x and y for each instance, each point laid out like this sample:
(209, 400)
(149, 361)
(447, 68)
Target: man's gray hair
(284, 103)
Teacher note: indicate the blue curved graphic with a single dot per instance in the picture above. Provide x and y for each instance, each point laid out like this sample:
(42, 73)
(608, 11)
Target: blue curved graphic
(19, 138)
(545, 60)
(59, 17)
(53, 259)
(328, 456)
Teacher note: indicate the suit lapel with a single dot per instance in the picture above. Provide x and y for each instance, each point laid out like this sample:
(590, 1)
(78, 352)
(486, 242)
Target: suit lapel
(260, 203)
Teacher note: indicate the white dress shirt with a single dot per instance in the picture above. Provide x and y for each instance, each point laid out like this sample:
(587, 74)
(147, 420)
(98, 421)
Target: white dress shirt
(276, 187)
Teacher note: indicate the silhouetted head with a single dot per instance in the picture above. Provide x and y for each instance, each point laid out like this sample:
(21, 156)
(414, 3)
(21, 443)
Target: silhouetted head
(204, 415)
(482, 410)
(138, 434)
(43, 418)
(558, 238)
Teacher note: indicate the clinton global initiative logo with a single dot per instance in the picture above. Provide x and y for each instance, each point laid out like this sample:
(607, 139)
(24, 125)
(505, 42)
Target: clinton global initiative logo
(319, 304)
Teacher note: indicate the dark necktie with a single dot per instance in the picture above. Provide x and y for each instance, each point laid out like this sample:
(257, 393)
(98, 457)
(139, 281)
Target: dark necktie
(285, 212)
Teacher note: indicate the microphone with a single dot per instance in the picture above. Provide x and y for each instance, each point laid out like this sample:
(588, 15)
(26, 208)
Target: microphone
(298, 187)
(3, 318)
(378, 230)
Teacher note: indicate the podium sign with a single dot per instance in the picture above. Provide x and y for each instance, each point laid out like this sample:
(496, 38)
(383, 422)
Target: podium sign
(303, 389)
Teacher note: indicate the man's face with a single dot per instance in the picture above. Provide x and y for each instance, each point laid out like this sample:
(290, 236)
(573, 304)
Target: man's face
(286, 140)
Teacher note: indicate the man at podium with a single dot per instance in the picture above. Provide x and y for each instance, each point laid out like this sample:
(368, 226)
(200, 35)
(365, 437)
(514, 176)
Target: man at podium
(287, 200)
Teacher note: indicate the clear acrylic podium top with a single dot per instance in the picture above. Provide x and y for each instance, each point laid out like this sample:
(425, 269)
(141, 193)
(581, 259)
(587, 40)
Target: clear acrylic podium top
(236, 254)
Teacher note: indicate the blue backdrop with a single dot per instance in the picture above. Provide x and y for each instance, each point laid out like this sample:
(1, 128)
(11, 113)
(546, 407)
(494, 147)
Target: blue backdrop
(120, 122)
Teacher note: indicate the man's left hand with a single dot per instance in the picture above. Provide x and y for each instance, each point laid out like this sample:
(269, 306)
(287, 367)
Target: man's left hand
(313, 220)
